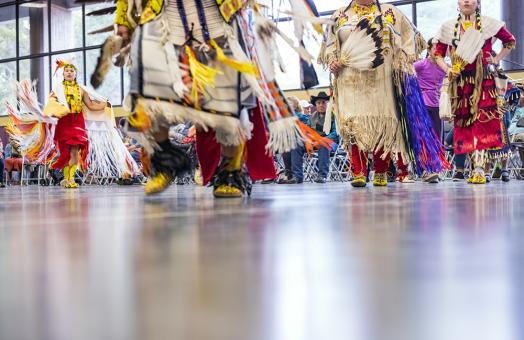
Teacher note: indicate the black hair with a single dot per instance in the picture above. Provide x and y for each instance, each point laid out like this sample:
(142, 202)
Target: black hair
(431, 41)
(379, 18)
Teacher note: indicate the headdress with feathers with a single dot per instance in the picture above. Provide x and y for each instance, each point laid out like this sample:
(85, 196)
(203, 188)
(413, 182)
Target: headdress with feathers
(62, 64)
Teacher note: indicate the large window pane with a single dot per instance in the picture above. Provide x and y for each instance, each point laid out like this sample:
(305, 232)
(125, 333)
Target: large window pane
(127, 83)
(94, 23)
(7, 79)
(431, 15)
(36, 69)
(111, 88)
(66, 27)
(407, 10)
(75, 58)
(290, 78)
(7, 32)
(33, 25)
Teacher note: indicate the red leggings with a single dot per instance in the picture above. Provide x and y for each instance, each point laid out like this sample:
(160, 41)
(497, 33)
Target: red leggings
(359, 159)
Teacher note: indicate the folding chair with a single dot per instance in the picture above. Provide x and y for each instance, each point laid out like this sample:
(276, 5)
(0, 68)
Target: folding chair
(340, 166)
(310, 167)
(450, 157)
(40, 170)
(515, 164)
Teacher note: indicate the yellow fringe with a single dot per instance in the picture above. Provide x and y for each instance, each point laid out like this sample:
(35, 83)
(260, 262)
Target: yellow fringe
(140, 119)
(475, 97)
(243, 67)
(201, 75)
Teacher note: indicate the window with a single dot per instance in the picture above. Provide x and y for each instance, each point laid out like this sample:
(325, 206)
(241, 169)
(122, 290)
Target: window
(52, 29)
(49, 30)
(427, 15)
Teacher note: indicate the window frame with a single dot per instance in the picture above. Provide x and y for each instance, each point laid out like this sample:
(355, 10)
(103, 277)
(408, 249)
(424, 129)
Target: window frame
(50, 52)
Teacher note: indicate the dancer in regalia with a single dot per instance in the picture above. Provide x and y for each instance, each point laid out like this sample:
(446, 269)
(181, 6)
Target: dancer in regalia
(73, 123)
(207, 62)
(370, 51)
(477, 114)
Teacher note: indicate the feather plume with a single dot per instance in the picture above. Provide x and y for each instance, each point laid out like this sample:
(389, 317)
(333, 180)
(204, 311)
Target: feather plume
(362, 50)
(102, 11)
(111, 46)
(266, 30)
(90, 2)
(106, 29)
(32, 131)
(302, 13)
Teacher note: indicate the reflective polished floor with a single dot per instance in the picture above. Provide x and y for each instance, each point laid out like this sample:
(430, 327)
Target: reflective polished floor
(303, 262)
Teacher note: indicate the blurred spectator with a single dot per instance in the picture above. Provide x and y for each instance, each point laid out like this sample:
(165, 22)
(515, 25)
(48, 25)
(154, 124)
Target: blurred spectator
(459, 160)
(516, 127)
(13, 161)
(306, 107)
(286, 176)
(316, 122)
(2, 184)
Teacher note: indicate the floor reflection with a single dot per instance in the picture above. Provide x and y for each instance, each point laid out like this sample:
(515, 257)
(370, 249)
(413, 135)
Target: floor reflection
(404, 262)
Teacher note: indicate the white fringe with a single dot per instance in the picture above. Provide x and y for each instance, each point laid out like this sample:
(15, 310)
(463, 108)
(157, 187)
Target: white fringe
(108, 155)
(228, 130)
(373, 134)
(247, 125)
(329, 117)
(284, 135)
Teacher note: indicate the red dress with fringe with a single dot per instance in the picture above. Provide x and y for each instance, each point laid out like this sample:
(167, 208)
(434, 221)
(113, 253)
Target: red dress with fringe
(70, 131)
(484, 133)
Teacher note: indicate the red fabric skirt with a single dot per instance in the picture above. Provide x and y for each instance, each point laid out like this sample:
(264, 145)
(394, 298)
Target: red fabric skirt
(71, 131)
(259, 163)
(484, 133)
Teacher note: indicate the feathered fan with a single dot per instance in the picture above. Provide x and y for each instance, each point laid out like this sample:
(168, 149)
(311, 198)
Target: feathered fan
(363, 48)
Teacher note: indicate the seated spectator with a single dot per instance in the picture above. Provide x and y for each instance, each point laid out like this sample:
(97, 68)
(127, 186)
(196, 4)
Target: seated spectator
(459, 160)
(285, 177)
(13, 161)
(516, 127)
(2, 184)
(135, 150)
(316, 122)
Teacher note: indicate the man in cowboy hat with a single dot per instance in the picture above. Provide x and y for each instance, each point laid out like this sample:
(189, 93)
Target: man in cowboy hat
(317, 123)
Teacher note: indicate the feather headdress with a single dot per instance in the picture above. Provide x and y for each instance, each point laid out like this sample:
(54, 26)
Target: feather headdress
(363, 48)
(62, 64)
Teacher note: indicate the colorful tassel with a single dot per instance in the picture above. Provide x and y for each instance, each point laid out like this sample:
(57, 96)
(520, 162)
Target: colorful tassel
(243, 67)
(312, 139)
(201, 75)
(140, 119)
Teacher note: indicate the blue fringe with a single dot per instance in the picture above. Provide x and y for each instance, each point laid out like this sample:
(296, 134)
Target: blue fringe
(425, 148)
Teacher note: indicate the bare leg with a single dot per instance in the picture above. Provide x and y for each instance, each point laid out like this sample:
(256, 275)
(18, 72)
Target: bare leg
(73, 160)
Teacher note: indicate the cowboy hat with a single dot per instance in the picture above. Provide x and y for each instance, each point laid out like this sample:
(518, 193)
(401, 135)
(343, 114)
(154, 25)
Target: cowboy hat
(321, 96)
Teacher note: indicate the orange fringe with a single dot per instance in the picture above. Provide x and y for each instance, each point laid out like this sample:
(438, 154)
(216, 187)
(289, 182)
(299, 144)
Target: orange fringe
(313, 140)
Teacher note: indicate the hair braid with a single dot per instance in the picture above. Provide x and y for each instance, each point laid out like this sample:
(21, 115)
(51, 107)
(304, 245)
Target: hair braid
(379, 18)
